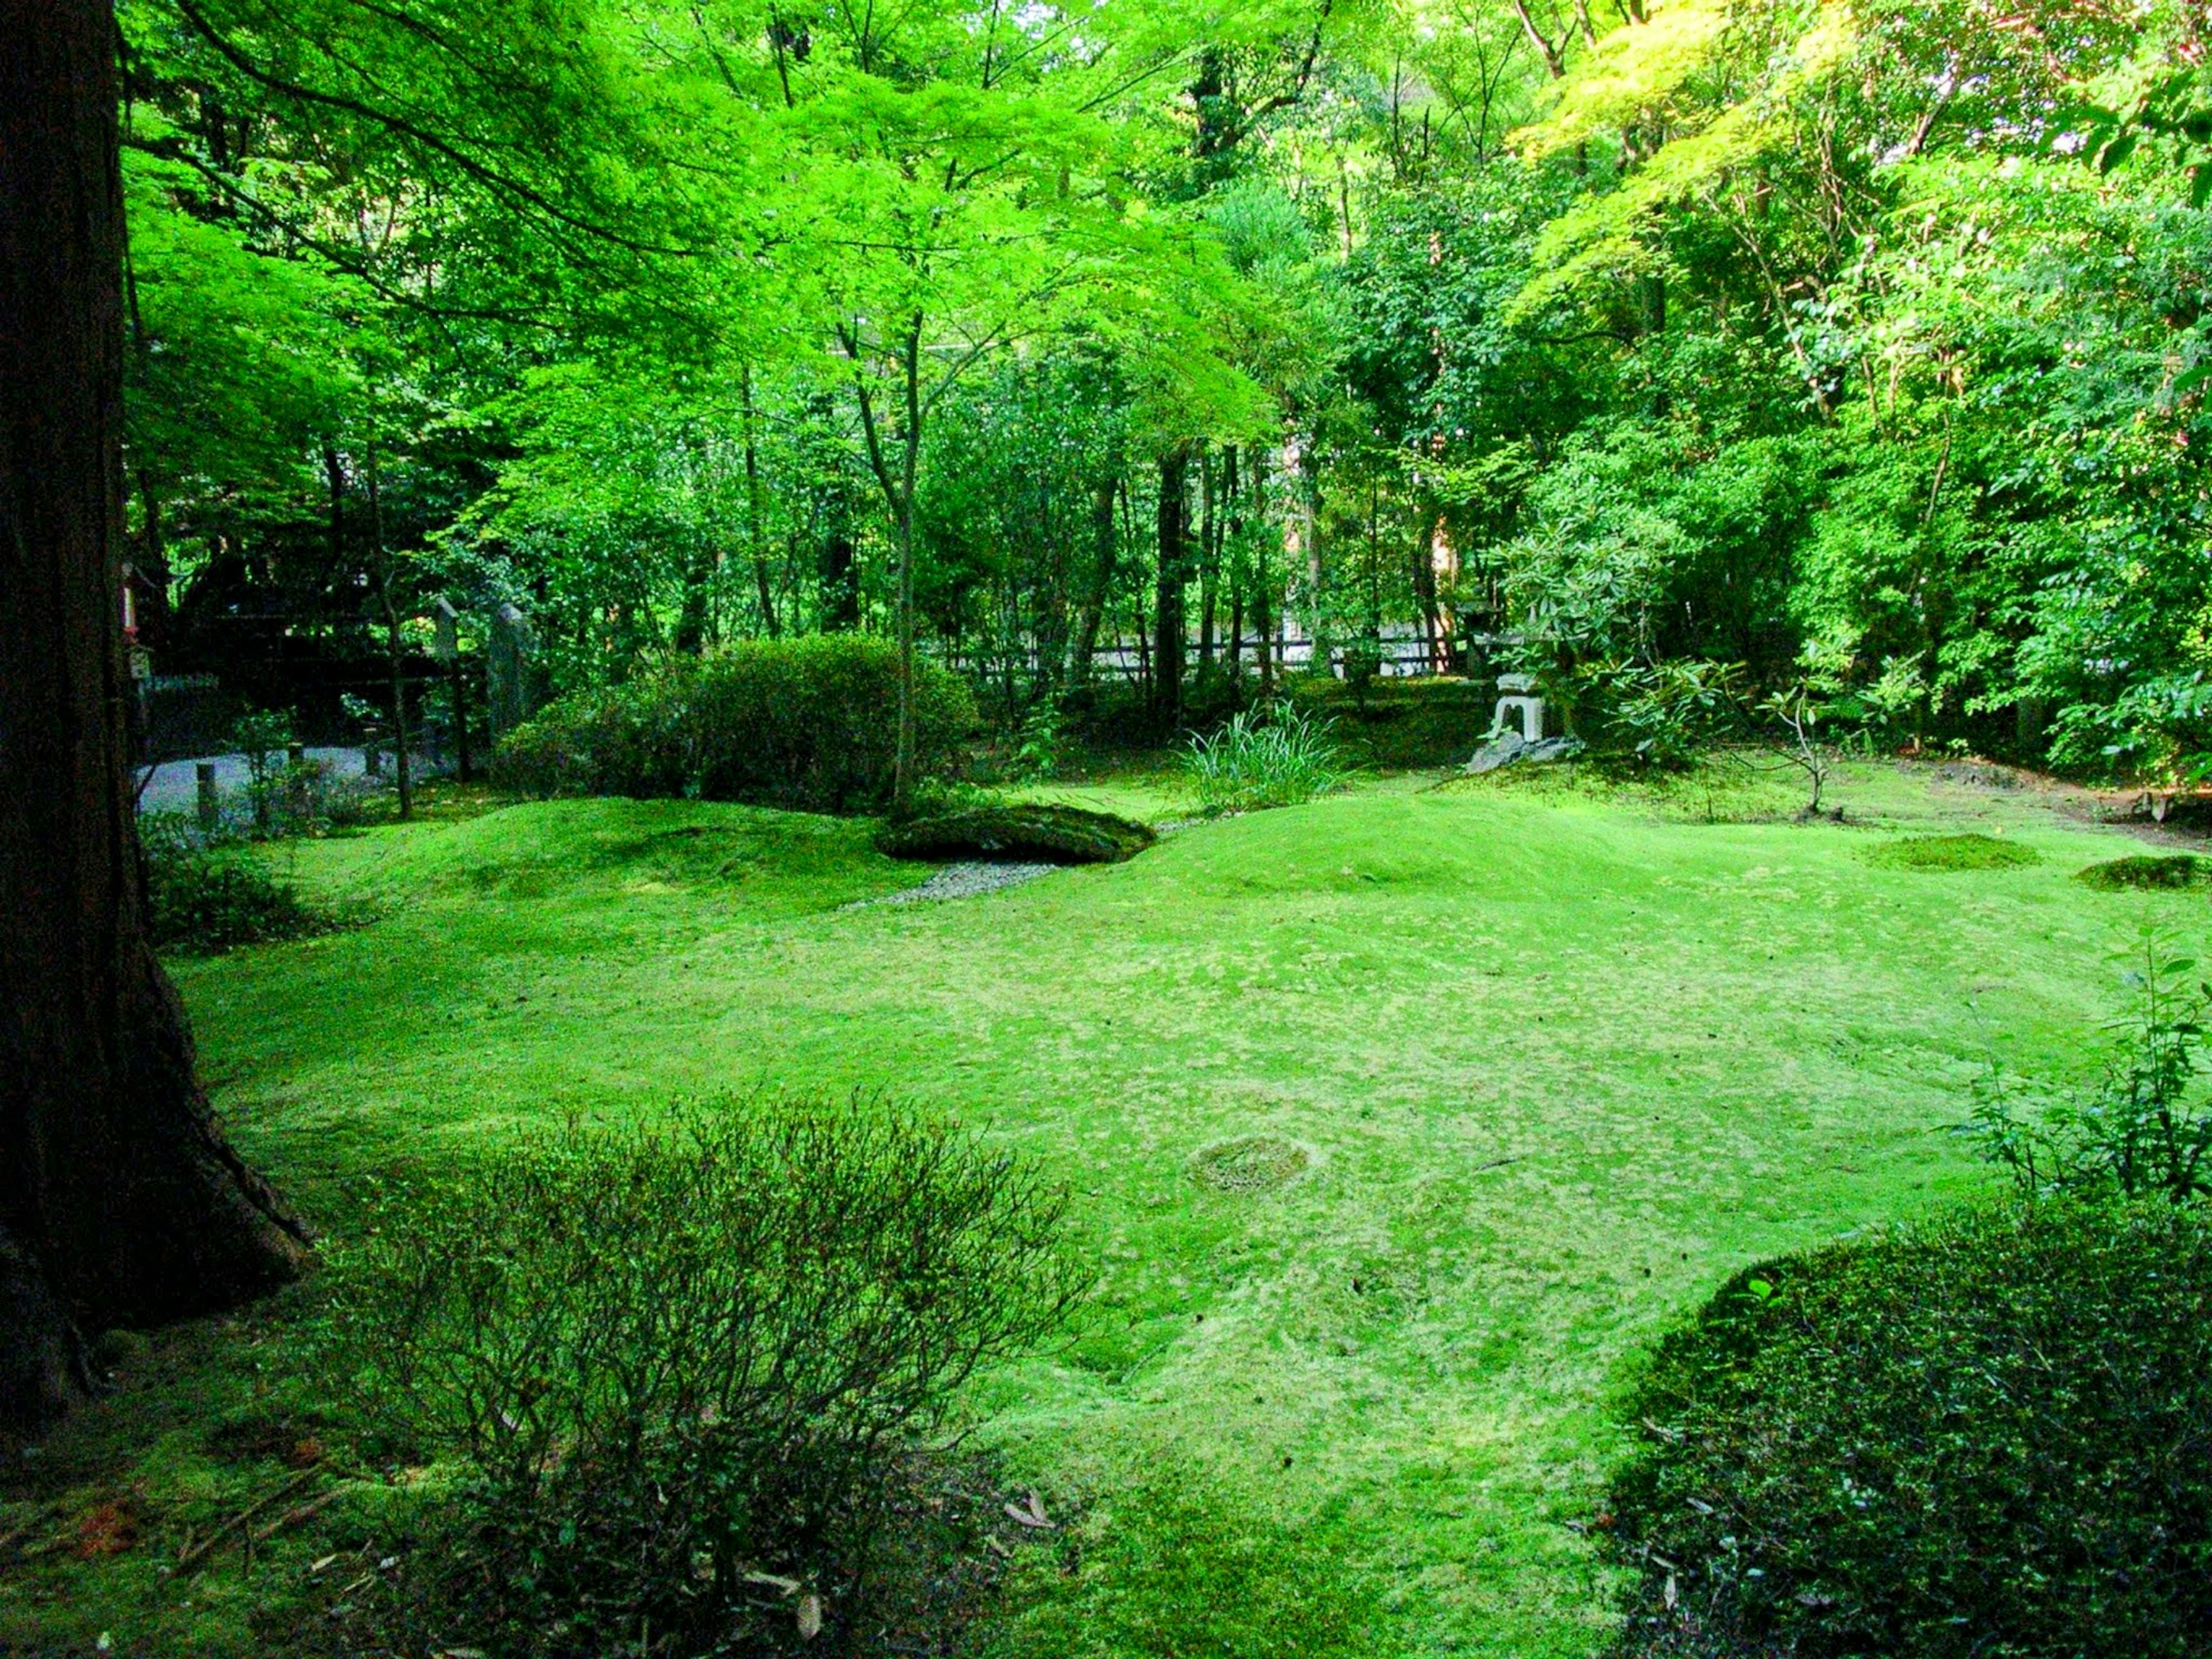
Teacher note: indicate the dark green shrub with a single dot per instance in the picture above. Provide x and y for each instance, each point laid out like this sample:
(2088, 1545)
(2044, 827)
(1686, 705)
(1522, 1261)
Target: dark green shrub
(203, 899)
(811, 722)
(1982, 1436)
(2143, 870)
(688, 1371)
(634, 739)
(1940, 853)
(806, 723)
(1042, 835)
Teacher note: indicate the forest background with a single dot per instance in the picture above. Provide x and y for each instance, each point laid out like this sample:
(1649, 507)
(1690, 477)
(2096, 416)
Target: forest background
(1775, 344)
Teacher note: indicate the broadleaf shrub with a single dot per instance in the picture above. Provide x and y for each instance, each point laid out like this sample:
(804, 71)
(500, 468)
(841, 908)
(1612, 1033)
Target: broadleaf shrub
(1983, 1435)
(804, 723)
(686, 1368)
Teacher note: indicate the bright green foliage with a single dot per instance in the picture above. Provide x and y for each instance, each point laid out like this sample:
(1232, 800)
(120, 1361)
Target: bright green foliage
(1975, 1435)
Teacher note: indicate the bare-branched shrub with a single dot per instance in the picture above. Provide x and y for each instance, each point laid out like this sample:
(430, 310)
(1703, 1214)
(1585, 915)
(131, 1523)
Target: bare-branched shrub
(685, 1369)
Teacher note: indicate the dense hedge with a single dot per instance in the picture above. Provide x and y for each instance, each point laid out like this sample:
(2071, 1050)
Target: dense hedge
(1989, 1435)
(807, 722)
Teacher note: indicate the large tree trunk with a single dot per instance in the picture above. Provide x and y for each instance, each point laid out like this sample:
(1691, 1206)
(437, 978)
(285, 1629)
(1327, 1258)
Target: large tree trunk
(121, 1204)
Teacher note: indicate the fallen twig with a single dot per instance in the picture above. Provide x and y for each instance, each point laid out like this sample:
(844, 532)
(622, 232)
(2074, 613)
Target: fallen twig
(293, 1516)
(193, 1554)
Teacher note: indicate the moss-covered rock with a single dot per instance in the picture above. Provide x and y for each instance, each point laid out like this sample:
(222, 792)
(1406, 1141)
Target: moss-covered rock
(2146, 870)
(1042, 835)
(1953, 853)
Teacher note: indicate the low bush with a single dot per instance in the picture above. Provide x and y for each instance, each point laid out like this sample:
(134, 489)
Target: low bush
(209, 899)
(2143, 870)
(1042, 835)
(1984, 1435)
(689, 1373)
(1941, 853)
(1276, 756)
(805, 723)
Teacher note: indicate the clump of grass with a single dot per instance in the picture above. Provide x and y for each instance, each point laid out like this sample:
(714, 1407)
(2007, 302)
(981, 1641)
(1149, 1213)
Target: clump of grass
(2144, 870)
(1943, 853)
(1253, 1164)
(1274, 756)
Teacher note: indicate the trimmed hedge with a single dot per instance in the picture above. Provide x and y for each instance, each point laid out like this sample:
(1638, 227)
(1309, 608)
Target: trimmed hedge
(1984, 1435)
(1042, 835)
(807, 723)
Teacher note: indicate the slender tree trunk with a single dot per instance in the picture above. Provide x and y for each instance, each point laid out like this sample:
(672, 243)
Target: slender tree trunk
(121, 1202)
(1169, 624)
(1263, 584)
(1209, 559)
(902, 779)
(395, 649)
(1232, 535)
(761, 581)
(1091, 607)
(1317, 599)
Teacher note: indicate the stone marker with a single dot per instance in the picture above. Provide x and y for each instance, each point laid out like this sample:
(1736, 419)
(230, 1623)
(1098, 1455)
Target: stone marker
(511, 685)
(210, 803)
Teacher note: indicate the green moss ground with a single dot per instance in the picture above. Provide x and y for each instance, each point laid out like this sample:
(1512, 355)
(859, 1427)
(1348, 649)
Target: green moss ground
(1562, 1057)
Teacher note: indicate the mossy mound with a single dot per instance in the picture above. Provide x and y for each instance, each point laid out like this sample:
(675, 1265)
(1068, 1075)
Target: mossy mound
(2143, 870)
(1253, 1164)
(1028, 834)
(1953, 853)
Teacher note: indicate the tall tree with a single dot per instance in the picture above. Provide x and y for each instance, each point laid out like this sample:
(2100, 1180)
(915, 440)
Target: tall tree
(121, 1202)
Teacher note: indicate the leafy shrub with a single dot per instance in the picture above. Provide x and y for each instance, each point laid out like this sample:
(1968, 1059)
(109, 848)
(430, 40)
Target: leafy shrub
(2146, 1127)
(1940, 853)
(208, 899)
(688, 1369)
(1669, 713)
(635, 740)
(1045, 834)
(1981, 1436)
(2143, 870)
(804, 723)
(1275, 756)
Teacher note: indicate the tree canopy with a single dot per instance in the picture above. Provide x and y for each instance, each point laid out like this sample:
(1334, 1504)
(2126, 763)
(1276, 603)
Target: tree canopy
(1617, 333)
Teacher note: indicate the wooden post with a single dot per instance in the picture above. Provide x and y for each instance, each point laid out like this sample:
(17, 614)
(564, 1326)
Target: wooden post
(210, 803)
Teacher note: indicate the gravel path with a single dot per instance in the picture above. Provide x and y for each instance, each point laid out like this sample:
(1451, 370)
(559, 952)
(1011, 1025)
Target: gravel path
(964, 881)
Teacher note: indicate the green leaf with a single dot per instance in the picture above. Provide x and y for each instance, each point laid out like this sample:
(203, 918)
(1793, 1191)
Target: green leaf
(2117, 152)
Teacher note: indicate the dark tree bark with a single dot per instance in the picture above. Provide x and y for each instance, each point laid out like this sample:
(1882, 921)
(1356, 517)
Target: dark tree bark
(1168, 620)
(120, 1203)
(1090, 608)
